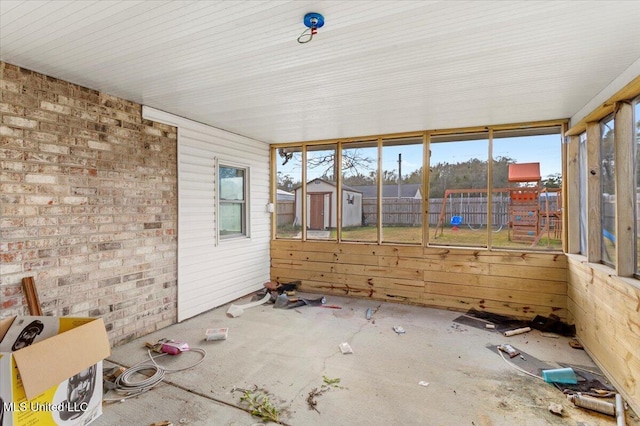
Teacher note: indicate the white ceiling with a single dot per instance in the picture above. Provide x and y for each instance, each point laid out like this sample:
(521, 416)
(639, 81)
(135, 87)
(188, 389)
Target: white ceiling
(375, 67)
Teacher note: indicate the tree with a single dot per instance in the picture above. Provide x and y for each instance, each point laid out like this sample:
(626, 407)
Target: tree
(286, 182)
(552, 181)
(471, 174)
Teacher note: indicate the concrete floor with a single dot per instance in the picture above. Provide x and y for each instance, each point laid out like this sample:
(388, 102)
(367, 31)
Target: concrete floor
(288, 352)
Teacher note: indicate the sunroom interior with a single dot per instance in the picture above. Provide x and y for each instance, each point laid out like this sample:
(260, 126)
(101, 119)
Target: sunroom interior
(162, 160)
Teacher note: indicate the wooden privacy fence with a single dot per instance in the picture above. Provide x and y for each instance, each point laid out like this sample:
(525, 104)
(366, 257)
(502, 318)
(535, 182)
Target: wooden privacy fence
(286, 211)
(408, 211)
(473, 210)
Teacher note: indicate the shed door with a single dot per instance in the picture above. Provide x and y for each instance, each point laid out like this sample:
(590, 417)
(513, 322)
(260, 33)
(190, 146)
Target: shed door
(316, 211)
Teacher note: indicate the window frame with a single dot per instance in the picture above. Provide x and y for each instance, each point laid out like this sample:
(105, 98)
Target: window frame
(244, 203)
(428, 136)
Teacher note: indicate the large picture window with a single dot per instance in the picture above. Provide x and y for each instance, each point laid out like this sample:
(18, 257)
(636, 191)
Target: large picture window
(479, 190)
(458, 195)
(232, 190)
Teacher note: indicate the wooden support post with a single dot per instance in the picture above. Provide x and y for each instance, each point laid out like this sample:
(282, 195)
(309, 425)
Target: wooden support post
(338, 179)
(426, 208)
(31, 294)
(594, 194)
(379, 183)
(303, 197)
(572, 185)
(273, 192)
(490, 193)
(625, 189)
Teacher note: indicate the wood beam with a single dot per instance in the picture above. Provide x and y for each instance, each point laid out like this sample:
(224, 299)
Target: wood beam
(426, 158)
(628, 92)
(31, 295)
(625, 189)
(490, 193)
(379, 187)
(594, 194)
(571, 182)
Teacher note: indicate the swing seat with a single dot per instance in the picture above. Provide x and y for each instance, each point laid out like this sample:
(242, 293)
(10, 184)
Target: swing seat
(455, 222)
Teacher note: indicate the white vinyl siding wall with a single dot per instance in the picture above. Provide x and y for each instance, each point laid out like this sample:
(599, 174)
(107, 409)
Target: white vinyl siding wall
(213, 271)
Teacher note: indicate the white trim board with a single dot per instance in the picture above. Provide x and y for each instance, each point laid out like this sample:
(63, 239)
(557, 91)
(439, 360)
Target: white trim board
(210, 272)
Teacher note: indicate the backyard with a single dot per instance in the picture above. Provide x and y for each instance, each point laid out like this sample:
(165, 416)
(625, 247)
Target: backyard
(464, 236)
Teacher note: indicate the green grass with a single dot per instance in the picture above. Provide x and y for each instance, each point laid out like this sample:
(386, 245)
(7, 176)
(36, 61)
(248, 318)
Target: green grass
(413, 235)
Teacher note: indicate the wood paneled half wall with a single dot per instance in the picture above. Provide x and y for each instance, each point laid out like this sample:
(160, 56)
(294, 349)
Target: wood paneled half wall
(518, 284)
(606, 311)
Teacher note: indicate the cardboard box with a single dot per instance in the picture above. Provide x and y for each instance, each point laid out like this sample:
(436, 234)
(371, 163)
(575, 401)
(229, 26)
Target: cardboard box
(51, 370)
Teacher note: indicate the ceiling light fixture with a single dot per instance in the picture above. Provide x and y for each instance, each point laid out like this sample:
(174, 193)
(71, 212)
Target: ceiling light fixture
(312, 21)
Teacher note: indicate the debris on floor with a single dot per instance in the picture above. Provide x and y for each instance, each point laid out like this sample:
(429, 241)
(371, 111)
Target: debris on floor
(423, 383)
(162, 423)
(259, 404)
(237, 310)
(331, 306)
(591, 382)
(216, 334)
(517, 331)
(501, 323)
(575, 344)
(345, 348)
(367, 315)
(480, 319)
(316, 392)
(594, 404)
(398, 329)
(560, 375)
(279, 288)
(553, 324)
(126, 382)
(555, 408)
(509, 350)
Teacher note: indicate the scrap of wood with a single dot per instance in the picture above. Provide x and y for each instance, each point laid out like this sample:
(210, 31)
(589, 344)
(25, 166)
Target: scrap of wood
(31, 294)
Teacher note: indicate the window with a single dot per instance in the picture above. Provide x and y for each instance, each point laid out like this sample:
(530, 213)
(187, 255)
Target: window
(232, 209)
(458, 190)
(608, 195)
(402, 190)
(288, 192)
(360, 191)
(371, 190)
(527, 206)
(321, 217)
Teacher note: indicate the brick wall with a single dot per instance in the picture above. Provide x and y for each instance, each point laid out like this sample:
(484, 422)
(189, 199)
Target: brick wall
(88, 205)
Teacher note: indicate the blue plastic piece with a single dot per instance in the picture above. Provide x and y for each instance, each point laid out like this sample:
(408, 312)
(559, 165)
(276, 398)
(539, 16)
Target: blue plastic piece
(313, 20)
(456, 220)
(560, 375)
(608, 235)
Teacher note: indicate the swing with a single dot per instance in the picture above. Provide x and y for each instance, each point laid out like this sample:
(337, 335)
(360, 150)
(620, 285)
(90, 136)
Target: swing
(456, 220)
(481, 224)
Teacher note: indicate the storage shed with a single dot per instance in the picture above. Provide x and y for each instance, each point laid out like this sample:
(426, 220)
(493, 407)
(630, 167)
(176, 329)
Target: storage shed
(322, 205)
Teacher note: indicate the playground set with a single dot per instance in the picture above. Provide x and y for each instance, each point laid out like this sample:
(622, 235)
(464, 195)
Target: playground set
(527, 221)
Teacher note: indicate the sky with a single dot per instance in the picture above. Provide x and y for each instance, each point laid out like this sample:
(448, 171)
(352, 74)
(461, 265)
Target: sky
(545, 149)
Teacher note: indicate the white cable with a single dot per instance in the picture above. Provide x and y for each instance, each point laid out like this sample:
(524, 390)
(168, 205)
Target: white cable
(518, 368)
(130, 388)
